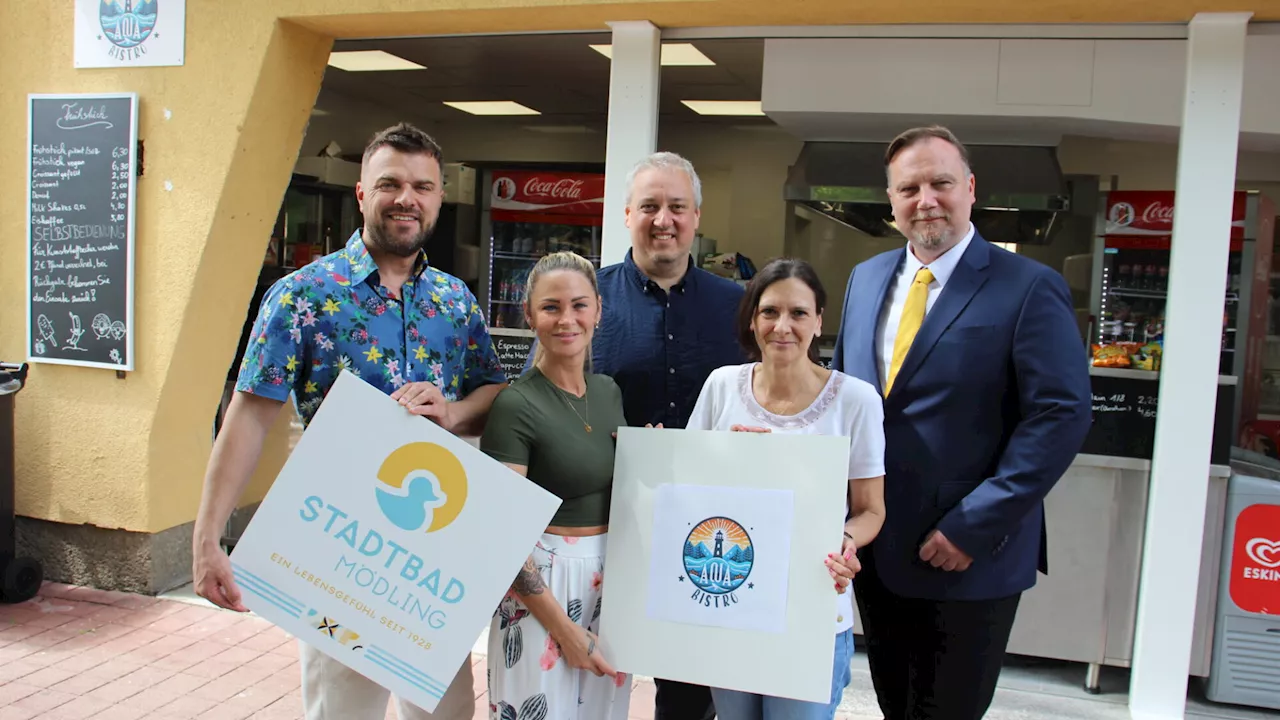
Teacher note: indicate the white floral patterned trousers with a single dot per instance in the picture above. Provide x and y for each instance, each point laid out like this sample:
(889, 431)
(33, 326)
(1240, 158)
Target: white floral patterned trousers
(528, 680)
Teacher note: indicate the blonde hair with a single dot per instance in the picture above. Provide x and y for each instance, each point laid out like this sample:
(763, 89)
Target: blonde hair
(552, 263)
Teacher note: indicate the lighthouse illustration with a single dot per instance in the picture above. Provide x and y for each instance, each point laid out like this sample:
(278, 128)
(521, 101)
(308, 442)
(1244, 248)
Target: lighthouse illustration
(718, 555)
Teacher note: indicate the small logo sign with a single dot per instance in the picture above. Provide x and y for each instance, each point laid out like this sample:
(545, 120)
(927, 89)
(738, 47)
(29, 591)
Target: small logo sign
(1264, 552)
(1121, 215)
(1255, 560)
(504, 188)
(422, 485)
(127, 23)
(718, 556)
(129, 33)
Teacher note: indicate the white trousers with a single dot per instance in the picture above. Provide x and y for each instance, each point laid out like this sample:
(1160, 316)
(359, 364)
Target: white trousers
(333, 691)
(527, 676)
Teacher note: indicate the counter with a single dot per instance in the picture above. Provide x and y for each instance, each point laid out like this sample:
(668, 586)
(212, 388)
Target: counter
(1085, 609)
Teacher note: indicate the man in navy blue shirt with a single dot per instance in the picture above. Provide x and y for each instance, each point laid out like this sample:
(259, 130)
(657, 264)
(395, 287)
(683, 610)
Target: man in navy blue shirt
(666, 325)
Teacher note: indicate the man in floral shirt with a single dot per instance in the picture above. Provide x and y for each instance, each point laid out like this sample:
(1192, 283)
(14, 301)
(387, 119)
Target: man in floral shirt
(378, 310)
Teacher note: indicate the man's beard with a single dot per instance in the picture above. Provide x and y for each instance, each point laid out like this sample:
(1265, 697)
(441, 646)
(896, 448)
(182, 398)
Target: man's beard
(933, 236)
(383, 240)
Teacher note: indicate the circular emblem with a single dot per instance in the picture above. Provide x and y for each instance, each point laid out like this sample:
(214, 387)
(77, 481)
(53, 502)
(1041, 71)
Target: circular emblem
(504, 188)
(421, 485)
(127, 23)
(718, 555)
(1122, 214)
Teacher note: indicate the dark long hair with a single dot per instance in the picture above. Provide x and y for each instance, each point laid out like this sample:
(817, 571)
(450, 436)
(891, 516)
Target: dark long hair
(775, 271)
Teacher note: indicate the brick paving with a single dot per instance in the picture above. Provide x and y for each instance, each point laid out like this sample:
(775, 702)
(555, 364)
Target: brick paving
(76, 652)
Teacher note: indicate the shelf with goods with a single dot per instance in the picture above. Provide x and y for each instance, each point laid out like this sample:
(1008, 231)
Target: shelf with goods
(1131, 313)
(1131, 260)
(528, 215)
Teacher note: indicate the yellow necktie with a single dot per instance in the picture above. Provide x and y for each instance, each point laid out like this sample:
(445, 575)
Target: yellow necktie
(909, 325)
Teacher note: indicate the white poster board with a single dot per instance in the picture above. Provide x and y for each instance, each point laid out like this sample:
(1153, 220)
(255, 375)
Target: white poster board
(387, 543)
(709, 610)
(130, 33)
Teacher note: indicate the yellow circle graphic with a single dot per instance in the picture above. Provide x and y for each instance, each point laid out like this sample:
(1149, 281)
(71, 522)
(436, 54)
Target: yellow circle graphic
(407, 460)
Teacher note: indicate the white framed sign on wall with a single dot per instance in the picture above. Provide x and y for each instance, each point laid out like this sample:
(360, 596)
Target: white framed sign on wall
(130, 33)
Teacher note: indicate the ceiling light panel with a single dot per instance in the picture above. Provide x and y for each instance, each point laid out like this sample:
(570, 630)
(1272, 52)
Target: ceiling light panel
(495, 107)
(674, 54)
(370, 61)
(724, 107)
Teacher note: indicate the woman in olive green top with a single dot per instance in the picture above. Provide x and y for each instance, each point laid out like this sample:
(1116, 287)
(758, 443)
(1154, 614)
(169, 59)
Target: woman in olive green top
(555, 425)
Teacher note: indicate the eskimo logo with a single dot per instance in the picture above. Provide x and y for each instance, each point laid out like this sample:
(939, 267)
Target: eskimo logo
(1264, 552)
(718, 556)
(424, 485)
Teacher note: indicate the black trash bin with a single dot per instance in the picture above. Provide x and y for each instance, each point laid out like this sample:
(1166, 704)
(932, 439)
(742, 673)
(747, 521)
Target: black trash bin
(20, 578)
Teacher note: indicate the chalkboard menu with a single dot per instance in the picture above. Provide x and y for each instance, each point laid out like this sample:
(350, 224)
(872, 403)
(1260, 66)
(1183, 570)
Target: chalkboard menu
(80, 204)
(1124, 418)
(512, 350)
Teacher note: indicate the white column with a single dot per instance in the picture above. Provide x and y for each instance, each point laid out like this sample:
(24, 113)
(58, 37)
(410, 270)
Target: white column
(1188, 379)
(633, 124)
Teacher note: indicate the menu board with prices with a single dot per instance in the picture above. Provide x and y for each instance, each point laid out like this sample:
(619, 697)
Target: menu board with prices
(513, 348)
(81, 170)
(1124, 410)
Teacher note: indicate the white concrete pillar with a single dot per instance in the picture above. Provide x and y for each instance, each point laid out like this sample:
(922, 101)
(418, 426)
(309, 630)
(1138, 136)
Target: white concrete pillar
(1188, 379)
(633, 124)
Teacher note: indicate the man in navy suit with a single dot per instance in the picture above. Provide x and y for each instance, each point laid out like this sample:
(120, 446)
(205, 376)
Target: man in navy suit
(986, 403)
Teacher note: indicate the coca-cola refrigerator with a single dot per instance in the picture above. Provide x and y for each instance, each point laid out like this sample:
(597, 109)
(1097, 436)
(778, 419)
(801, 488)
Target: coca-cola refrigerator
(1131, 275)
(525, 215)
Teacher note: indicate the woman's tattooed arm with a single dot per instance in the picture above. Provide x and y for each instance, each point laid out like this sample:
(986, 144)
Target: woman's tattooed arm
(529, 580)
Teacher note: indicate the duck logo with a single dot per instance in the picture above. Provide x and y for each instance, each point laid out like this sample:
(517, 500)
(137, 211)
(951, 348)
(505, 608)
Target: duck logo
(422, 485)
(718, 555)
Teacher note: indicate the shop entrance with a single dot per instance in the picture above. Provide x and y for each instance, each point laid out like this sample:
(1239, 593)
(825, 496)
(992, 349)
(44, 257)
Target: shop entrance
(523, 122)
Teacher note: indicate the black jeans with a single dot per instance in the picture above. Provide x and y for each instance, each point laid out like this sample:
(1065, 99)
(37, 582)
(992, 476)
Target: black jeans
(930, 659)
(681, 701)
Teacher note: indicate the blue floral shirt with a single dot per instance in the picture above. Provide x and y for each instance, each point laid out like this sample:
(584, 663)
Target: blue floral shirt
(334, 314)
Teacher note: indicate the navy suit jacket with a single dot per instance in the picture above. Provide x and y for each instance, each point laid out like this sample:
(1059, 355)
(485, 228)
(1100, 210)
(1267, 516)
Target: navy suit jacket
(990, 407)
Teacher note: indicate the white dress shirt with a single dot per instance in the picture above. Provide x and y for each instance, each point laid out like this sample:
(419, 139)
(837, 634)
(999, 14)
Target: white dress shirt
(891, 313)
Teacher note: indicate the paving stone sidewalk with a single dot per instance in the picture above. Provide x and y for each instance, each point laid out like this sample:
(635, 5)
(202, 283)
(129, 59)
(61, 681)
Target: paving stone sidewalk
(75, 652)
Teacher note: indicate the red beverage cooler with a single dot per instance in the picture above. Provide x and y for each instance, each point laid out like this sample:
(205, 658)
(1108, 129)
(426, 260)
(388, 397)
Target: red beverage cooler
(1131, 274)
(528, 214)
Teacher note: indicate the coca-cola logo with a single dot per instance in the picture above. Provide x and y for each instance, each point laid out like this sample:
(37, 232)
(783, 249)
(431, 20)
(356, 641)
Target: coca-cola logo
(504, 188)
(1156, 213)
(563, 189)
(1121, 214)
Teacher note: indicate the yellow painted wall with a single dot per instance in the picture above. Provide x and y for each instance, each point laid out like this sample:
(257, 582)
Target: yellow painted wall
(131, 453)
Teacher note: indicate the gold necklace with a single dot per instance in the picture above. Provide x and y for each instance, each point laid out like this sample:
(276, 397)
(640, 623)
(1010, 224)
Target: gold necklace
(586, 425)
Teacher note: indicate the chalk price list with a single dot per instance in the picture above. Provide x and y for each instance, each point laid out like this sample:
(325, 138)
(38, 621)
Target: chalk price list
(119, 184)
(1143, 405)
(78, 240)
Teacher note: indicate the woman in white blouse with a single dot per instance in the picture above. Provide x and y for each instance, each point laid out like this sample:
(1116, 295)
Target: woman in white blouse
(787, 391)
